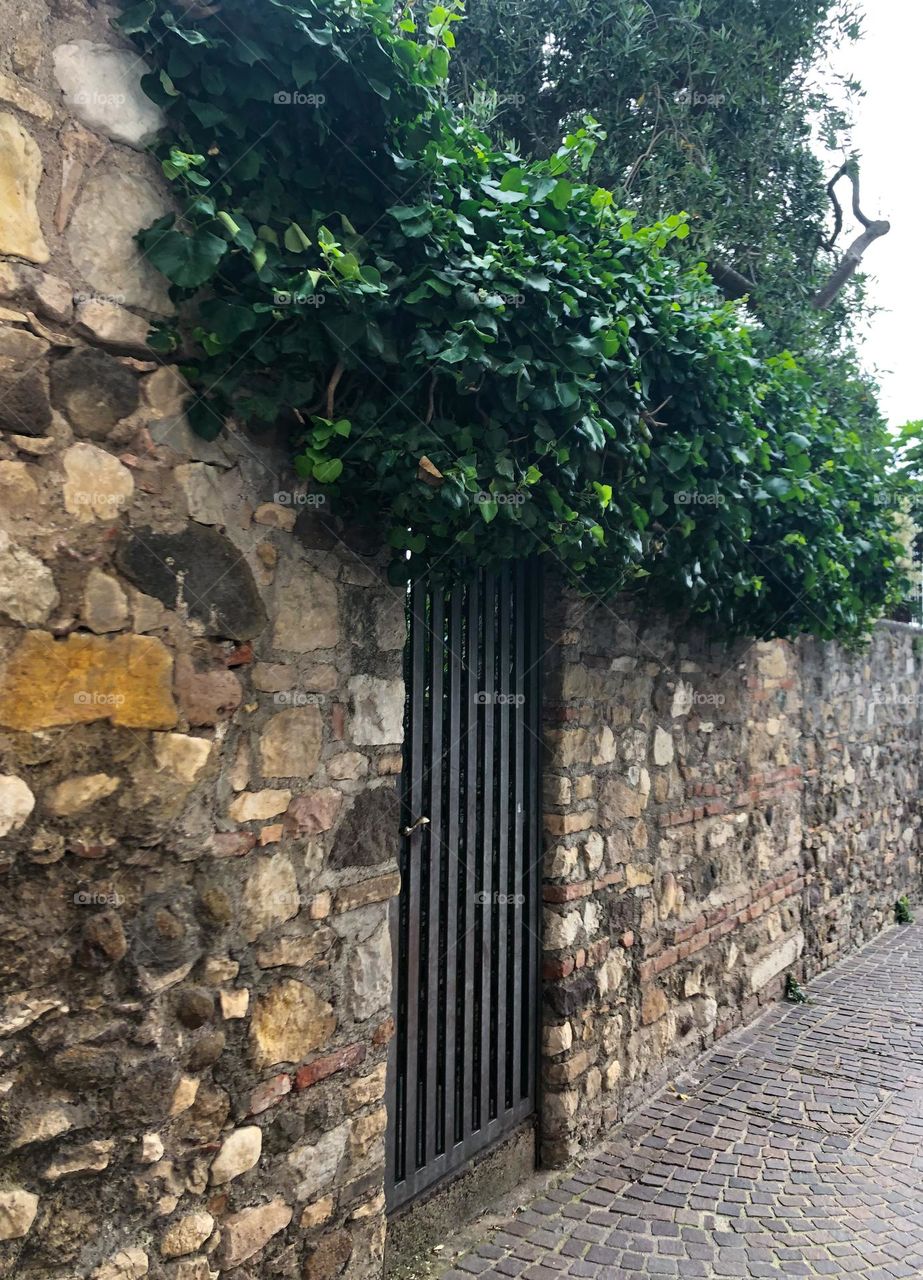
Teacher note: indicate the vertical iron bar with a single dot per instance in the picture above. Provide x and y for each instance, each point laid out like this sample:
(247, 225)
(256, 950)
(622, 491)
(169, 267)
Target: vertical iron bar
(521, 621)
(414, 866)
(531, 943)
(488, 888)
(504, 888)
(472, 711)
(453, 864)
(434, 846)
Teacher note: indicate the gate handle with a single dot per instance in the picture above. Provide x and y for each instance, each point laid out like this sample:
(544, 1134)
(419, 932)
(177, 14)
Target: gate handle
(420, 822)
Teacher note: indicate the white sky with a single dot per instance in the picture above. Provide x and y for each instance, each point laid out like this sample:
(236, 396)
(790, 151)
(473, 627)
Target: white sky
(888, 62)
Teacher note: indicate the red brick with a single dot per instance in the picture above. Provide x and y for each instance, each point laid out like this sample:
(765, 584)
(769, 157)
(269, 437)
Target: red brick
(664, 961)
(567, 892)
(321, 1068)
(552, 970)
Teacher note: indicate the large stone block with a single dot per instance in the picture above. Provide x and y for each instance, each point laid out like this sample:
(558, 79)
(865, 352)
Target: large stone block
(27, 589)
(25, 408)
(306, 609)
(102, 87)
(290, 743)
(378, 711)
(288, 1022)
(778, 960)
(55, 682)
(114, 206)
(200, 568)
(368, 835)
(20, 174)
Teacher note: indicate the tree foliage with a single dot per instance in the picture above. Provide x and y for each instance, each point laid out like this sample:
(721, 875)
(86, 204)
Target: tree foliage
(708, 105)
(489, 353)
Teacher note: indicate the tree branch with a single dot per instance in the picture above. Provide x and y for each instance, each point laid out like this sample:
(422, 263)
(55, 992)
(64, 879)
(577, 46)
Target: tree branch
(872, 230)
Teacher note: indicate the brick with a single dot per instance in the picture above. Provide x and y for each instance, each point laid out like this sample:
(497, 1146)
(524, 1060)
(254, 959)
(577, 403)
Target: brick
(567, 892)
(328, 1065)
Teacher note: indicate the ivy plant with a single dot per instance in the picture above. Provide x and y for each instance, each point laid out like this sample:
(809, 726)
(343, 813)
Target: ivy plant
(487, 355)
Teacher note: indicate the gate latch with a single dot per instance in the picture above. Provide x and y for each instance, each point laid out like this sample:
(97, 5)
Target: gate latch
(420, 822)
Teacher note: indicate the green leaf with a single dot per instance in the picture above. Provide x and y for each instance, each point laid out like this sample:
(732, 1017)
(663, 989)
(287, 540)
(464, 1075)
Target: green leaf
(561, 193)
(204, 419)
(295, 239)
(136, 17)
(327, 471)
(187, 261)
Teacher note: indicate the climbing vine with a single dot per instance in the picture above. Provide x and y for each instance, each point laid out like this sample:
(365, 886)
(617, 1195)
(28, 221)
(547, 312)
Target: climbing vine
(483, 352)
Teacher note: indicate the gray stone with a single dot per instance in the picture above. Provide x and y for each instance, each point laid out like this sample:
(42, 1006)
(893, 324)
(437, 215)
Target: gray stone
(93, 391)
(114, 206)
(25, 407)
(102, 88)
(17, 1213)
(27, 589)
(200, 568)
(290, 743)
(378, 711)
(105, 321)
(773, 964)
(201, 486)
(306, 609)
(316, 1163)
(105, 606)
(16, 803)
(97, 486)
(369, 975)
(368, 835)
(270, 896)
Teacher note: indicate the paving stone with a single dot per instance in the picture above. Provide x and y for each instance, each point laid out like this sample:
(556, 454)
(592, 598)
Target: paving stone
(804, 1133)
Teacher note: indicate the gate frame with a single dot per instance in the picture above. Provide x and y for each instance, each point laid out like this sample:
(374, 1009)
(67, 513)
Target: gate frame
(462, 1157)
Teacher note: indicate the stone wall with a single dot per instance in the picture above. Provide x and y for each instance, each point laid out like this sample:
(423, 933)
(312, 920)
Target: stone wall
(716, 818)
(200, 722)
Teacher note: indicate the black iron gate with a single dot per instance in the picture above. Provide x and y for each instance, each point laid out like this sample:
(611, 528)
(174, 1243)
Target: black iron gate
(462, 1071)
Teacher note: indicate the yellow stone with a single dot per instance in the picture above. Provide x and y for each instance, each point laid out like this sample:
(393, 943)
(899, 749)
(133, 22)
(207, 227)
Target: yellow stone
(288, 1022)
(51, 682)
(20, 174)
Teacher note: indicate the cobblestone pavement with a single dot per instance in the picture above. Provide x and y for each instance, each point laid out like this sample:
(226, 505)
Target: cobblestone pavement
(793, 1148)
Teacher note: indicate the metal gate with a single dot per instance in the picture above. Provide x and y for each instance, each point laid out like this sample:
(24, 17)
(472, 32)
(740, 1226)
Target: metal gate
(462, 1070)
